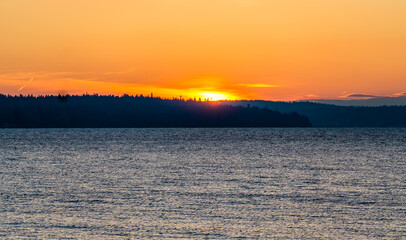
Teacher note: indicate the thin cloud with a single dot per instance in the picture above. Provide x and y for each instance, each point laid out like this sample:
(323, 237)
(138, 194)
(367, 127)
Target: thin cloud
(120, 76)
(371, 96)
(402, 94)
(359, 95)
(5, 69)
(312, 96)
(126, 76)
(358, 99)
(257, 85)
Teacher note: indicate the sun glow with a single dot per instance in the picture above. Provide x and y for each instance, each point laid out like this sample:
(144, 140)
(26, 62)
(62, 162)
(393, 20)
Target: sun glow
(212, 96)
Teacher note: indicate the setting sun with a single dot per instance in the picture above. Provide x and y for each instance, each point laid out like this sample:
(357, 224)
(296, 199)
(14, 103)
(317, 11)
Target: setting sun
(211, 96)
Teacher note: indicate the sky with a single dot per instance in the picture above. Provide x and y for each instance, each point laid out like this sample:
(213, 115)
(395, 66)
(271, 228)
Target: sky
(221, 49)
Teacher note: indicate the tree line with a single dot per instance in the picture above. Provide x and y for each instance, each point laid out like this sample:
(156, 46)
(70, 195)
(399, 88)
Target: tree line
(95, 111)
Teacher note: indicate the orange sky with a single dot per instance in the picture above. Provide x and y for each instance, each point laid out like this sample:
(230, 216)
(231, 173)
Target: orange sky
(250, 49)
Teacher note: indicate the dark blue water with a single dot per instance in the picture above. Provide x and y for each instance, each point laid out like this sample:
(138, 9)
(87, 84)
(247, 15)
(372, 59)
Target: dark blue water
(203, 183)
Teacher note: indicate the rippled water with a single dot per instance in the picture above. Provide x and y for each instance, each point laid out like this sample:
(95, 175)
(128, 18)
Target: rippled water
(203, 183)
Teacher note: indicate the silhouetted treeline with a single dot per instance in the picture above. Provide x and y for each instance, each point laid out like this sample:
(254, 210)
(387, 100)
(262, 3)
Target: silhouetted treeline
(327, 115)
(135, 111)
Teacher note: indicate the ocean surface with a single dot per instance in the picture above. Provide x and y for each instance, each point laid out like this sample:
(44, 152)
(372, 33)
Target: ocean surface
(203, 183)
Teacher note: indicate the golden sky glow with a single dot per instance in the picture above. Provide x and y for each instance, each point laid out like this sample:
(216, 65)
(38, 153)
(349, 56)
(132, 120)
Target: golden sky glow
(251, 49)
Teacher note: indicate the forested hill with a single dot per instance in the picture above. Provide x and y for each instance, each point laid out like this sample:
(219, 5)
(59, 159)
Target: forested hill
(327, 115)
(129, 111)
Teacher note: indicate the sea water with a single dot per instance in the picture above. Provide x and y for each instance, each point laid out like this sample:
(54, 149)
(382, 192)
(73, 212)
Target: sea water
(203, 183)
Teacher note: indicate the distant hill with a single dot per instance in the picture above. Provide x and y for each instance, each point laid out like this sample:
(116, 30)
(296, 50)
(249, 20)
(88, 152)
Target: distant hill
(134, 111)
(372, 101)
(327, 115)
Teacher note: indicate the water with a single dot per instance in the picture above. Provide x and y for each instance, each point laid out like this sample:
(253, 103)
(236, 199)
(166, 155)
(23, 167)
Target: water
(203, 183)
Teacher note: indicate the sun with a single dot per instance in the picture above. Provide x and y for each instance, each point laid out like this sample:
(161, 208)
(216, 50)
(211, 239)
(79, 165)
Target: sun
(213, 96)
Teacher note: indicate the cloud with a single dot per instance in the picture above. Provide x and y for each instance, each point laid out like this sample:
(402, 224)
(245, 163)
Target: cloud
(312, 96)
(126, 76)
(257, 85)
(5, 69)
(360, 99)
(18, 80)
(359, 95)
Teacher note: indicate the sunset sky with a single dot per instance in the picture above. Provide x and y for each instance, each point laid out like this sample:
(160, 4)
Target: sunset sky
(237, 49)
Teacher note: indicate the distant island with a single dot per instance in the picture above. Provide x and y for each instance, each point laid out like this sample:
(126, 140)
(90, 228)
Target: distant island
(329, 115)
(94, 111)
